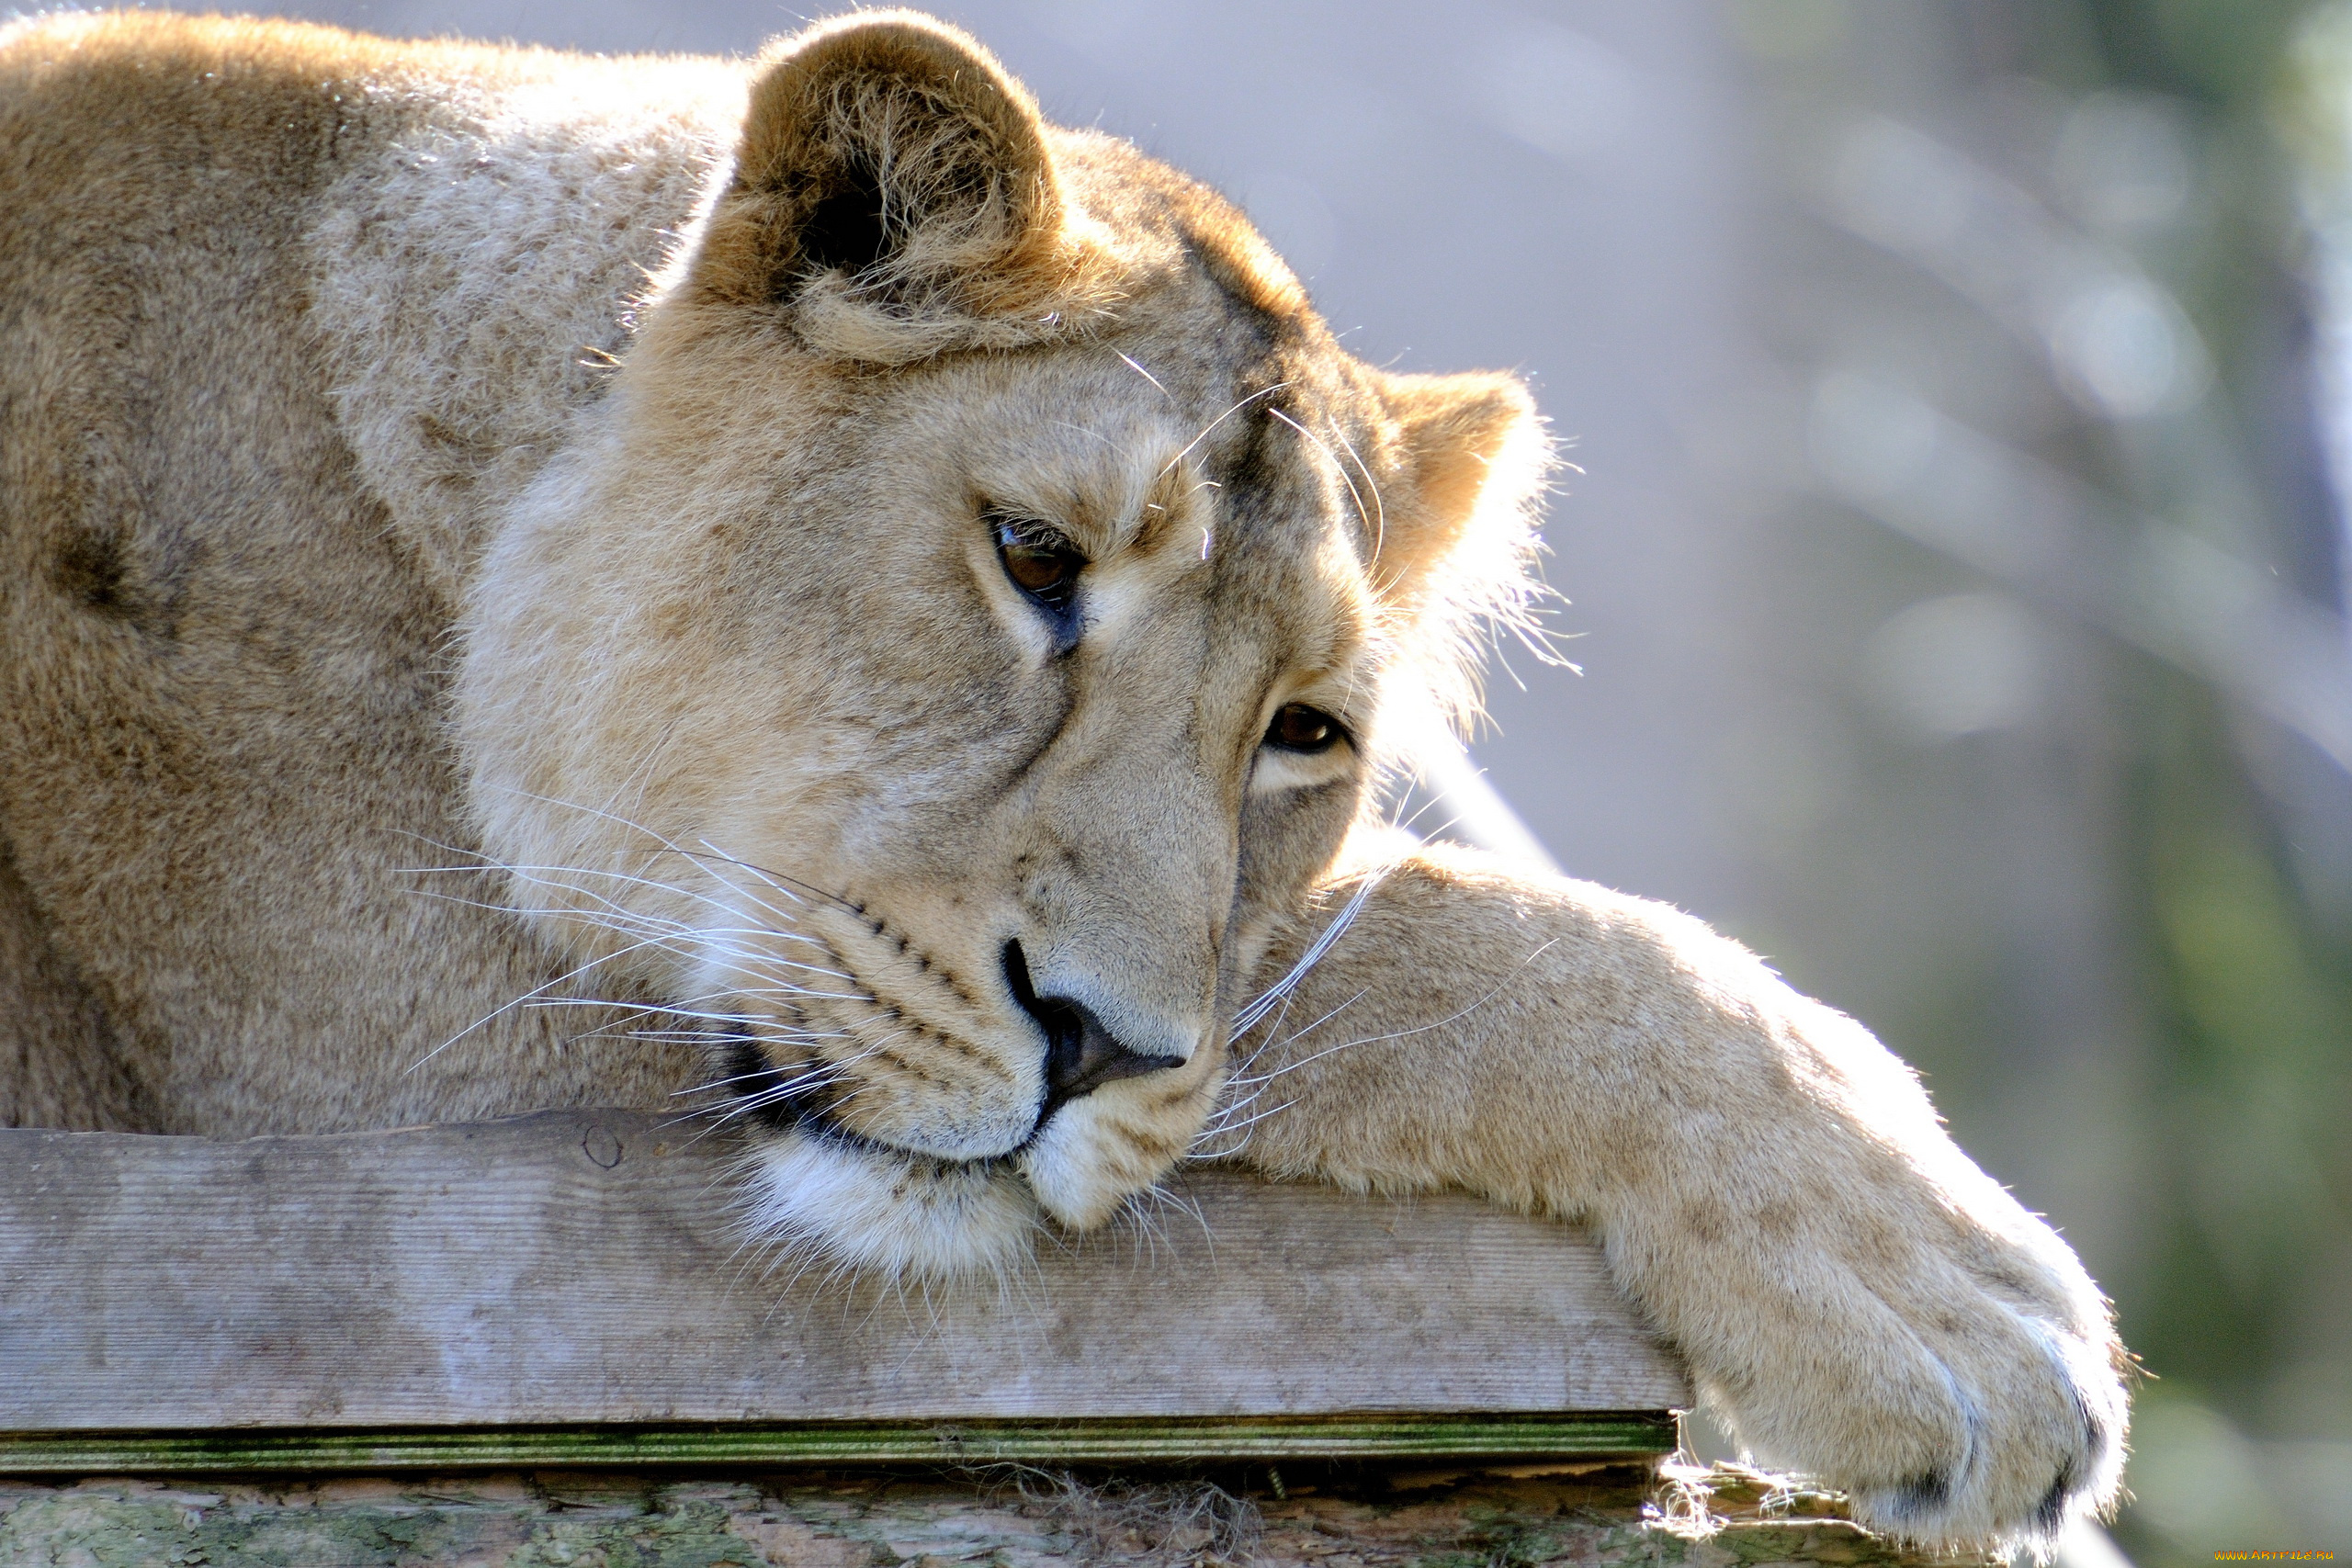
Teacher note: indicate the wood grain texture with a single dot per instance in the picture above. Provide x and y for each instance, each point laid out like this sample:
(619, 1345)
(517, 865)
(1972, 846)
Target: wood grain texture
(583, 1266)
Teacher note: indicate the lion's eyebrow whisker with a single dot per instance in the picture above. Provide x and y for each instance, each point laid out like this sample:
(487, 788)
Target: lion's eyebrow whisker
(1232, 409)
(1135, 366)
(1380, 509)
(1340, 468)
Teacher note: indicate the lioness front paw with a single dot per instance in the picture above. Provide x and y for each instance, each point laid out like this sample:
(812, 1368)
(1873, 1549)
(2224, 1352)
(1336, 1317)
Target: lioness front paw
(1966, 1414)
(1879, 1313)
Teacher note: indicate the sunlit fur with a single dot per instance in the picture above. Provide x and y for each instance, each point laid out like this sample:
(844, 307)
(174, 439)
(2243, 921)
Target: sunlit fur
(499, 611)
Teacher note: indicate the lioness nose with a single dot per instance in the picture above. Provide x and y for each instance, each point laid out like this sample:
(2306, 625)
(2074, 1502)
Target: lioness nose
(1081, 1056)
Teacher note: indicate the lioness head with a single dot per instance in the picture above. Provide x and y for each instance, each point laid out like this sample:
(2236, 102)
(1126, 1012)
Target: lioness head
(970, 632)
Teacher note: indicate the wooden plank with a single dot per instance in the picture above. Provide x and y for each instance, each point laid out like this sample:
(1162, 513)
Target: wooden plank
(582, 1267)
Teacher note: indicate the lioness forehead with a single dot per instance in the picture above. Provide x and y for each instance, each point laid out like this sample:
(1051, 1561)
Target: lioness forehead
(1218, 332)
(1187, 481)
(1210, 420)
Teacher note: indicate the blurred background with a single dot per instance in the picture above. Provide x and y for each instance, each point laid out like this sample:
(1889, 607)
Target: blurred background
(1962, 396)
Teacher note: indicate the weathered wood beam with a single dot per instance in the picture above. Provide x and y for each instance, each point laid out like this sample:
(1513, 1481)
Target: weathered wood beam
(570, 1288)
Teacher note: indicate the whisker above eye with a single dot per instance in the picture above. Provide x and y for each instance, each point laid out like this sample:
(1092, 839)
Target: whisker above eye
(1232, 409)
(1147, 376)
(1353, 494)
(1379, 507)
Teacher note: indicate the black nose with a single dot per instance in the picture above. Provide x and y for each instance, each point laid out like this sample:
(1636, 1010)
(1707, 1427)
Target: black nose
(1080, 1055)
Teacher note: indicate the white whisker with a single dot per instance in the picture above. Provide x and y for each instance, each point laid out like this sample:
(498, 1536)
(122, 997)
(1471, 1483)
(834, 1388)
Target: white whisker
(1147, 376)
(1380, 509)
(1355, 495)
(1249, 1016)
(1455, 1017)
(1236, 407)
(1243, 1078)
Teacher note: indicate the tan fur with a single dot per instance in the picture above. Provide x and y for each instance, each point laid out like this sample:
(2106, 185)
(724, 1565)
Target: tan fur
(502, 605)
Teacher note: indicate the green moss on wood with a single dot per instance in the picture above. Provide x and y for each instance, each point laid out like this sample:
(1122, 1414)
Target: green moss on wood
(1074, 1442)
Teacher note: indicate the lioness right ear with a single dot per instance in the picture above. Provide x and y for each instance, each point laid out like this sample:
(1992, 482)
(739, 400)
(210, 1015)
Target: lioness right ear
(894, 193)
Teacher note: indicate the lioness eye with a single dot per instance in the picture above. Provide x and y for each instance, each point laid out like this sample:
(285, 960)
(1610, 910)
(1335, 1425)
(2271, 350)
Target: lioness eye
(1298, 727)
(1040, 561)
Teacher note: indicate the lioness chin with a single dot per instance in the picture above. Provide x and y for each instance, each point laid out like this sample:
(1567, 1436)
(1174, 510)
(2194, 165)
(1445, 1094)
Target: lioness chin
(836, 590)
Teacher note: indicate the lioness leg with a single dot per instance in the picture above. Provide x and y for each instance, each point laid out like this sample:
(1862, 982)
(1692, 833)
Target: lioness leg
(1771, 1185)
(59, 1066)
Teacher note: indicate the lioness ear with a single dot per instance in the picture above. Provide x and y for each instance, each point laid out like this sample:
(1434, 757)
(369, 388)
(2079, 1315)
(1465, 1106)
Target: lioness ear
(1474, 456)
(1458, 557)
(894, 193)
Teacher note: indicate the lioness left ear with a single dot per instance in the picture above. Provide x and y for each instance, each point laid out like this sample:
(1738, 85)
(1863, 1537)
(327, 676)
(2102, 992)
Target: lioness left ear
(894, 192)
(1474, 456)
(1456, 553)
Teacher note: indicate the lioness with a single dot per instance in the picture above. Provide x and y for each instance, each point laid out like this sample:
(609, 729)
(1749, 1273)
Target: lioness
(811, 569)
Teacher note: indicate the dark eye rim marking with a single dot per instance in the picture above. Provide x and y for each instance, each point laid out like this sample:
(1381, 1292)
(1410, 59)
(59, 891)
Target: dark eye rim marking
(1042, 564)
(1304, 730)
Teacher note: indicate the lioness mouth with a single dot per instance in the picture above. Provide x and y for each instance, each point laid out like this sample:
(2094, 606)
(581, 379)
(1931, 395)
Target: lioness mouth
(780, 1101)
(1080, 1055)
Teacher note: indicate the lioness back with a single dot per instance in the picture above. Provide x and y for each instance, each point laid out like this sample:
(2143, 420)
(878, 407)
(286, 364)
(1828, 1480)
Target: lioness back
(221, 668)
